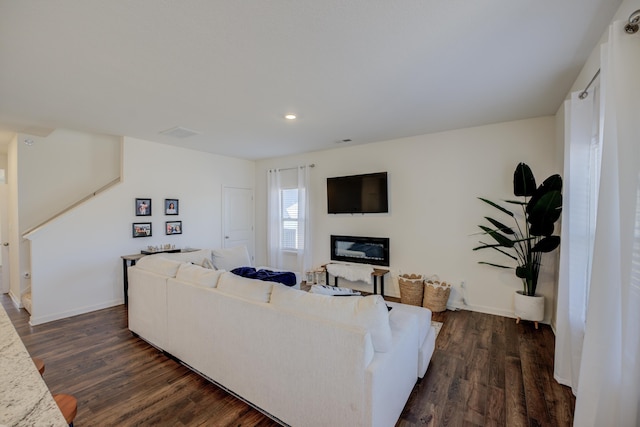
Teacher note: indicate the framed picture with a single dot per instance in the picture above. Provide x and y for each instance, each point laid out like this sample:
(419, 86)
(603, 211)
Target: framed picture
(173, 227)
(171, 206)
(143, 207)
(141, 229)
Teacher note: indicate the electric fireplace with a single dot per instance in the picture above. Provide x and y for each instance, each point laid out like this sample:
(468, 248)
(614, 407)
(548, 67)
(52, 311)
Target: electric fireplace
(363, 250)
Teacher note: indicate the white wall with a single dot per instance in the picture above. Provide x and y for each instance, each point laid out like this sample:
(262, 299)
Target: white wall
(434, 182)
(61, 169)
(76, 264)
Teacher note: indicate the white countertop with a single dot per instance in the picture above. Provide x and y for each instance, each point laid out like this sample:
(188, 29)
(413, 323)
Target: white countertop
(25, 399)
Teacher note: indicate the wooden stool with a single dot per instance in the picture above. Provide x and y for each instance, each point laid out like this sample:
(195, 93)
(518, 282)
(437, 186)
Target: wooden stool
(39, 364)
(68, 406)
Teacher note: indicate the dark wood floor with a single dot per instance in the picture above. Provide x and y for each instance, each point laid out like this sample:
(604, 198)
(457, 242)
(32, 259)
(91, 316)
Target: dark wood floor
(485, 371)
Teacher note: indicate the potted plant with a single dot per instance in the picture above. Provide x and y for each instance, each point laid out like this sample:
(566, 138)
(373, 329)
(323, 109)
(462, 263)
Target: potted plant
(530, 236)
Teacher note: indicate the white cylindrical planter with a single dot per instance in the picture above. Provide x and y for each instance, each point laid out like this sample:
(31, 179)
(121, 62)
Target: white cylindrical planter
(528, 308)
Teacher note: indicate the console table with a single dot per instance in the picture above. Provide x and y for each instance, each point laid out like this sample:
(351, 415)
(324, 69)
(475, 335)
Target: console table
(377, 272)
(130, 260)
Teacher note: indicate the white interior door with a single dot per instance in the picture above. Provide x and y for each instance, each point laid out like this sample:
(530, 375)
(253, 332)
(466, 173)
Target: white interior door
(237, 215)
(4, 238)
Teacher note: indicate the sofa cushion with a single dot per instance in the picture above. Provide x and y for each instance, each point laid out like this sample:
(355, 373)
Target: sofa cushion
(195, 257)
(249, 289)
(368, 312)
(198, 275)
(423, 314)
(159, 265)
(230, 258)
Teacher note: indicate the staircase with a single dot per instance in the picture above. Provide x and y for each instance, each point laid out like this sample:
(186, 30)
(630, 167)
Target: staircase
(26, 301)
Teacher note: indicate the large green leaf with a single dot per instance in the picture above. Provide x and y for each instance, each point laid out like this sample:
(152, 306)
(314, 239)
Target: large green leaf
(496, 247)
(553, 183)
(500, 226)
(545, 212)
(502, 240)
(508, 212)
(523, 272)
(541, 229)
(524, 183)
(546, 244)
(493, 265)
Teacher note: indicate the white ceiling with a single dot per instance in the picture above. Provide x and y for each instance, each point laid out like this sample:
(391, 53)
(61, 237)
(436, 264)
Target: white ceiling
(366, 70)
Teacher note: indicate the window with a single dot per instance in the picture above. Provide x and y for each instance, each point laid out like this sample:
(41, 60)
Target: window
(290, 223)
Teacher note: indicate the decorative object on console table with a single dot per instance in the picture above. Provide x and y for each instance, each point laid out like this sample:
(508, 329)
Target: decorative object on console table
(173, 227)
(171, 207)
(167, 248)
(143, 207)
(436, 294)
(142, 229)
(525, 244)
(411, 289)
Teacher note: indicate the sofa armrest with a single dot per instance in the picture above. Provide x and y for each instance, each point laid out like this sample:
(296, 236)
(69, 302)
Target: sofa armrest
(391, 376)
(148, 306)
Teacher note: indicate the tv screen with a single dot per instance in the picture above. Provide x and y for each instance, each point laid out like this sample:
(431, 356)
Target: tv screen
(358, 194)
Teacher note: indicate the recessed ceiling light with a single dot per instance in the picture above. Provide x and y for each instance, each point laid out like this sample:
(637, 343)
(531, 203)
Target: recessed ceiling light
(290, 116)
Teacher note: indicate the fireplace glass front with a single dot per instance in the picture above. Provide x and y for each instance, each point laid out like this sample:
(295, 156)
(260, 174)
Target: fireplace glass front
(363, 250)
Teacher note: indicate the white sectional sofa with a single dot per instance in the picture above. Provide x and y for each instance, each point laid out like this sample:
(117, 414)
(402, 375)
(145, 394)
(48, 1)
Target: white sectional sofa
(305, 359)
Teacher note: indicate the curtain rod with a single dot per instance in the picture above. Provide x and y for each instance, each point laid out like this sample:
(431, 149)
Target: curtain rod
(632, 25)
(312, 165)
(584, 93)
(631, 28)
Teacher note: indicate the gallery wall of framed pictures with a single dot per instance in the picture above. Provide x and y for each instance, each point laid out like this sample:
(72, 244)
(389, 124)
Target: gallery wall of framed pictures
(143, 208)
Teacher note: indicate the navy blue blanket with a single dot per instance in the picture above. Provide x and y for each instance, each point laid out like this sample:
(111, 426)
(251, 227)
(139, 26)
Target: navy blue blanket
(285, 277)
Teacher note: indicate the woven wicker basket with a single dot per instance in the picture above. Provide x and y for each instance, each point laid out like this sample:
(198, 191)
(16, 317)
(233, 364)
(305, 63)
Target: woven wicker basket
(411, 288)
(436, 295)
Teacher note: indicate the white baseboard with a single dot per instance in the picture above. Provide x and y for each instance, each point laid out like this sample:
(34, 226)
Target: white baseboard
(481, 309)
(39, 320)
(17, 301)
(488, 310)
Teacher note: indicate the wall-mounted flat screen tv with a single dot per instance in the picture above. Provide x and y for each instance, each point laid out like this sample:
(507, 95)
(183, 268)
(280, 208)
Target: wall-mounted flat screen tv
(366, 193)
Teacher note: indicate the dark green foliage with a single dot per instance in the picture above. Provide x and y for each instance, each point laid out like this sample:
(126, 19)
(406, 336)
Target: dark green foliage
(524, 184)
(533, 235)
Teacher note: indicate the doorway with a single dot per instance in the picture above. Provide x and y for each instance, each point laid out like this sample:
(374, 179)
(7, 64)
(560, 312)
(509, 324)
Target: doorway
(237, 218)
(4, 236)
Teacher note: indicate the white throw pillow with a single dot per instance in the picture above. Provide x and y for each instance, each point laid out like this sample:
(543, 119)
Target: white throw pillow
(368, 312)
(195, 257)
(197, 275)
(159, 265)
(249, 289)
(230, 258)
(206, 263)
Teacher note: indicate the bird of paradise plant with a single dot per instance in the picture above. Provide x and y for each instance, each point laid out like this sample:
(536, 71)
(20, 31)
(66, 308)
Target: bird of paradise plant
(532, 234)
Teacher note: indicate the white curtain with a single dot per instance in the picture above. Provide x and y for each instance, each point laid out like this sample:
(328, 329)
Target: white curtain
(581, 169)
(609, 379)
(304, 259)
(276, 253)
(274, 218)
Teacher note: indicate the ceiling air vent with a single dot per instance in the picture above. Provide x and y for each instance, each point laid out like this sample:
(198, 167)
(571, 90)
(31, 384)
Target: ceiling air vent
(180, 132)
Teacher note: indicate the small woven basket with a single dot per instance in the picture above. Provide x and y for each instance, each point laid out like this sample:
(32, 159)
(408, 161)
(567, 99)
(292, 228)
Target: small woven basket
(436, 295)
(411, 288)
